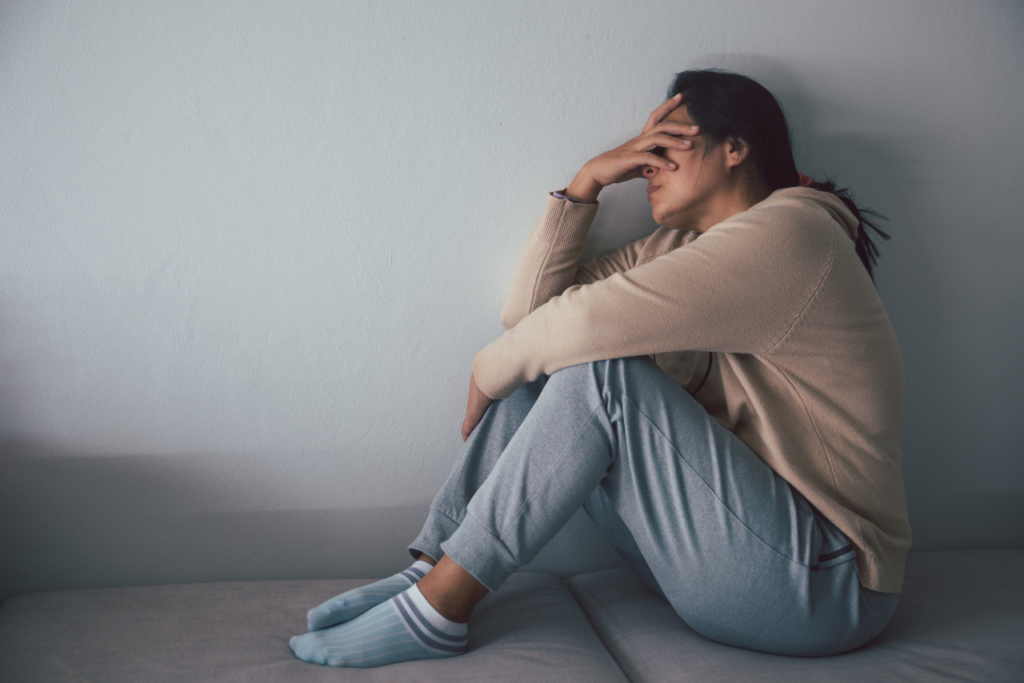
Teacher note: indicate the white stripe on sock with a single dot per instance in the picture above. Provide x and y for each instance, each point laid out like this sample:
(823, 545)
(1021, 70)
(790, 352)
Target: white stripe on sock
(433, 616)
(422, 566)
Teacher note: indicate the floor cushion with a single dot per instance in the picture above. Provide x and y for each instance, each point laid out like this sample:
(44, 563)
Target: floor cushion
(239, 631)
(960, 617)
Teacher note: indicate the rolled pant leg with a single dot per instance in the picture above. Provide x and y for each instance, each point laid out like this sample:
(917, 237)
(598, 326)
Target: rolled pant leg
(741, 556)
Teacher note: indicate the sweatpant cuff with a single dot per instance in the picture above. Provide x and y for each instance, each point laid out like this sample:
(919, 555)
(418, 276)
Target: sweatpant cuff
(438, 528)
(481, 554)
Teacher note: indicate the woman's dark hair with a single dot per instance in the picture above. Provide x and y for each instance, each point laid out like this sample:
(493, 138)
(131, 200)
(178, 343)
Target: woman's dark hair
(728, 105)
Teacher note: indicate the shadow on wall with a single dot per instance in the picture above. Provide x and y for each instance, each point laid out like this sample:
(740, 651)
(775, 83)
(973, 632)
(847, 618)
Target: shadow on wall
(84, 521)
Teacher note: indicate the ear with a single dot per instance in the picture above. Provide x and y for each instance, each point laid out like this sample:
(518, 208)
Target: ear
(736, 151)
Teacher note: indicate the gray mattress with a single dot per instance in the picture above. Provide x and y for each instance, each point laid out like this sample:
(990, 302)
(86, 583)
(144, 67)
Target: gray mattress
(961, 617)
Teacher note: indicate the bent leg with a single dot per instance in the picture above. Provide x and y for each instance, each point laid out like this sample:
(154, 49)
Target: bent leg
(743, 557)
(740, 555)
(606, 518)
(475, 462)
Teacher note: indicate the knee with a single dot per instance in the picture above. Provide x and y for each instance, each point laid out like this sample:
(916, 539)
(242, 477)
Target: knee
(604, 376)
(520, 402)
(619, 368)
(625, 364)
(527, 394)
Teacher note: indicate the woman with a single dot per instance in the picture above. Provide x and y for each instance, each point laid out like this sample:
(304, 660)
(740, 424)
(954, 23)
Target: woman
(750, 472)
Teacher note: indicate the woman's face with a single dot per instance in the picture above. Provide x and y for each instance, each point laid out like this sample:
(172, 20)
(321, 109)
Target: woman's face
(700, 192)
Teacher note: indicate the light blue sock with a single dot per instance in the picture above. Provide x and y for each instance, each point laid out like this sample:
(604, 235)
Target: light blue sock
(351, 604)
(404, 628)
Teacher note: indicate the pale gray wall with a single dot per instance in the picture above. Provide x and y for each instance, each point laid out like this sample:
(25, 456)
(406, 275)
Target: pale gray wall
(248, 251)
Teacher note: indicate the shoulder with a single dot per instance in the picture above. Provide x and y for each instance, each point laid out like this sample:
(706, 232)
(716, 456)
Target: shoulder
(790, 223)
(786, 243)
(662, 241)
(801, 208)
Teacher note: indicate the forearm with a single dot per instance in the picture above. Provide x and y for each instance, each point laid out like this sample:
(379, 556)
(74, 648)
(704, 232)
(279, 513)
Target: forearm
(550, 259)
(727, 291)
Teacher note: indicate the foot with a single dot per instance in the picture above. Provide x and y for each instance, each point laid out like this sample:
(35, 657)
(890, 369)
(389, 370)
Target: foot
(351, 604)
(404, 628)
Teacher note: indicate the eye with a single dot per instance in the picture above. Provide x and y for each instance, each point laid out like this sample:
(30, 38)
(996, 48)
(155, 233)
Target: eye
(659, 151)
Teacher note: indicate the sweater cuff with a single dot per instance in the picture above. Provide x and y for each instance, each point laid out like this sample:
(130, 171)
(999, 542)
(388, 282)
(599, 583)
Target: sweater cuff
(567, 222)
(560, 194)
(488, 376)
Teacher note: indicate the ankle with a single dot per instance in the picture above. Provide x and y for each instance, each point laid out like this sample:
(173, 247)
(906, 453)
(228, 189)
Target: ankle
(452, 610)
(452, 591)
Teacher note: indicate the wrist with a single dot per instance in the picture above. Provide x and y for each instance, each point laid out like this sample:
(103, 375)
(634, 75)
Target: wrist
(584, 188)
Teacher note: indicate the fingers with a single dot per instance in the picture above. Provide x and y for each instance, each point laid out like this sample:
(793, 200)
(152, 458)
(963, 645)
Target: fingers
(467, 429)
(651, 159)
(676, 128)
(662, 111)
(651, 150)
(476, 406)
(626, 161)
(653, 140)
(472, 420)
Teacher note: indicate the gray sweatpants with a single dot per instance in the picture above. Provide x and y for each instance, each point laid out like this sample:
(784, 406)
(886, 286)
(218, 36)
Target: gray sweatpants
(740, 555)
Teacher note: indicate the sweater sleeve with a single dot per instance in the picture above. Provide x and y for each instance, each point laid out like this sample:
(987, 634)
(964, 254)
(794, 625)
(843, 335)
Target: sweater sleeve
(549, 263)
(739, 288)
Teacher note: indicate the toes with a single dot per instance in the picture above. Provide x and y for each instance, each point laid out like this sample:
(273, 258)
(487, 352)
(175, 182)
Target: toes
(309, 648)
(314, 618)
(326, 614)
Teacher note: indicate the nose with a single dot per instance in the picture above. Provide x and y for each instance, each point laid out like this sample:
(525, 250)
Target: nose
(649, 171)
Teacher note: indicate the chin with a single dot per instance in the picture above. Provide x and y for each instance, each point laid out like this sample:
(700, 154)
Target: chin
(663, 220)
(668, 213)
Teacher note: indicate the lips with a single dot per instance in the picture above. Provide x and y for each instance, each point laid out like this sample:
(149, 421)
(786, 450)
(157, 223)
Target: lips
(651, 189)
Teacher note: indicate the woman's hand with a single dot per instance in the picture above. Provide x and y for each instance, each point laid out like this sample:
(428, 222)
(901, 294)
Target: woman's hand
(628, 160)
(476, 406)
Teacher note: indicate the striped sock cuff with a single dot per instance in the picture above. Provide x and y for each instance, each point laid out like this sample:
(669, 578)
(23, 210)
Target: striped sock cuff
(427, 625)
(417, 571)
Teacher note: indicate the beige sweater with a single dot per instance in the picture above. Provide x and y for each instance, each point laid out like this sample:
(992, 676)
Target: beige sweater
(806, 370)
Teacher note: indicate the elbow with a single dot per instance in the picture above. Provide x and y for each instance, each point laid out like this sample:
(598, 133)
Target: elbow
(509, 317)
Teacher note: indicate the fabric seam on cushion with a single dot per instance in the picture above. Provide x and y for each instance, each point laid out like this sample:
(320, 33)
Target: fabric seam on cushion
(593, 629)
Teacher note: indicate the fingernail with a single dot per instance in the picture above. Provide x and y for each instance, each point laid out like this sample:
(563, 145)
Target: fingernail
(677, 96)
(672, 166)
(693, 126)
